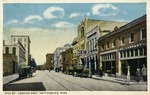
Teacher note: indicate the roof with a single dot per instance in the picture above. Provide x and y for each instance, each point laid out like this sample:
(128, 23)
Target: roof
(21, 36)
(122, 28)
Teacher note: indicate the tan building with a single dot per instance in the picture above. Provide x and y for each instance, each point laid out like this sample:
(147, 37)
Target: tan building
(67, 63)
(17, 53)
(75, 47)
(25, 40)
(85, 27)
(49, 65)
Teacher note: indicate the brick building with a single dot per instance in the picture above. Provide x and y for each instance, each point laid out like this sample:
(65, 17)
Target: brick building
(125, 46)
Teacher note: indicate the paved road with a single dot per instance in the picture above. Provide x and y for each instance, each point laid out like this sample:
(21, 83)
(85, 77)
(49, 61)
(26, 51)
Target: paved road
(52, 81)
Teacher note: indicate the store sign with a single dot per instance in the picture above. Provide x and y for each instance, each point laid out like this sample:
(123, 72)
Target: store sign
(83, 52)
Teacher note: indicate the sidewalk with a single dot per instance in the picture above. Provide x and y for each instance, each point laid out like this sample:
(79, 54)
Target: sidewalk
(118, 80)
(9, 78)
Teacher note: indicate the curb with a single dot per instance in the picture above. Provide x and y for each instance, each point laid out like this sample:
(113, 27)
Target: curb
(121, 81)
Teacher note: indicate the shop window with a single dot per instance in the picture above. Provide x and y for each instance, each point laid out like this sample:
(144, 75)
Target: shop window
(128, 53)
(122, 40)
(143, 33)
(121, 54)
(141, 51)
(131, 37)
(136, 52)
(132, 53)
(145, 51)
(124, 54)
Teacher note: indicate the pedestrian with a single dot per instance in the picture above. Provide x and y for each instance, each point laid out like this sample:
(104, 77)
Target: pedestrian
(128, 74)
(101, 72)
(144, 73)
(138, 74)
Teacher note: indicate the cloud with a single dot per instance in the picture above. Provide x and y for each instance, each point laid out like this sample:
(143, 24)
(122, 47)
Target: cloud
(62, 24)
(75, 14)
(12, 21)
(104, 10)
(30, 19)
(54, 12)
(122, 20)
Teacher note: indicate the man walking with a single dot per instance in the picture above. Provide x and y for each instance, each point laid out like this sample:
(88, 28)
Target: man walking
(144, 73)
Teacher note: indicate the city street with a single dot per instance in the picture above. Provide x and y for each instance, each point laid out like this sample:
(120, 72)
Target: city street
(52, 81)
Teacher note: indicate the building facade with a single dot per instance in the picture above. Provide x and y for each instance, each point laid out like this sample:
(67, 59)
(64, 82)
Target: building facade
(67, 62)
(25, 40)
(17, 50)
(49, 61)
(58, 57)
(123, 47)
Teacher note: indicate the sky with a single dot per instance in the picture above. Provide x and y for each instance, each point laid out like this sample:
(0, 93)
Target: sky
(52, 25)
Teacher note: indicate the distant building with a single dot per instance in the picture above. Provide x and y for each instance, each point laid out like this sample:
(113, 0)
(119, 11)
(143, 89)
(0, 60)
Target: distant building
(49, 61)
(67, 45)
(58, 57)
(25, 40)
(125, 46)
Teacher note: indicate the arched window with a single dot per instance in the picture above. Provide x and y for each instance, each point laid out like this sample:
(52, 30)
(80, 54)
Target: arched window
(14, 50)
(7, 50)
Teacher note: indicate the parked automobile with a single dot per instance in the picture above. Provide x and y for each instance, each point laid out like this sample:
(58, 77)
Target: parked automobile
(57, 69)
(25, 71)
(85, 72)
(77, 70)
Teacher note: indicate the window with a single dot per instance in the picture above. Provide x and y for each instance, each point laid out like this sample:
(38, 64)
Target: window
(128, 53)
(107, 44)
(24, 39)
(122, 40)
(102, 46)
(132, 53)
(145, 51)
(7, 50)
(14, 50)
(121, 54)
(136, 52)
(14, 39)
(24, 45)
(131, 37)
(114, 43)
(124, 54)
(20, 39)
(141, 51)
(82, 32)
(143, 34)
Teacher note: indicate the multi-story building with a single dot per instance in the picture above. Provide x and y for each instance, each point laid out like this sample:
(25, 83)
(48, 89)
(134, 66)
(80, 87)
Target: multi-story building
(75, 47)
(125, 46)
(25, 40)
(101, 28)
(18, 50)
(49, 61)
(58, 57)
(67, 60)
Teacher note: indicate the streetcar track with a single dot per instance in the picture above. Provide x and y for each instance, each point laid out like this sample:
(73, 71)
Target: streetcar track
(67, 81)
(57, 82)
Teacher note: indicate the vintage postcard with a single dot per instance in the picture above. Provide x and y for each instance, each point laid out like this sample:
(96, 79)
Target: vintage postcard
(74, 48)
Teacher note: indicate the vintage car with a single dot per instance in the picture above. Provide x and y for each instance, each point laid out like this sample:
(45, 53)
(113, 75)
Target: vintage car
(25, 71)
(77, 70)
